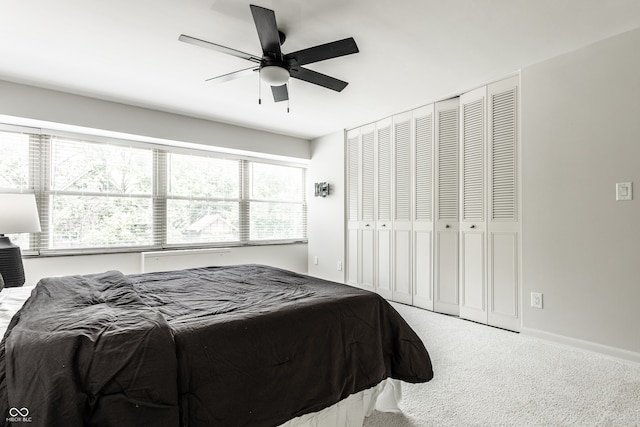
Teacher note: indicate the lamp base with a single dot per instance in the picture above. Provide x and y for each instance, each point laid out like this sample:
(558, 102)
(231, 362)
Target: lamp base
(11, 267)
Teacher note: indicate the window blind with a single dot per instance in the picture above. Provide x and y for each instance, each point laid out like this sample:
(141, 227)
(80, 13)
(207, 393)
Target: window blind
(276, 205)
(19, 171)
(115, 195)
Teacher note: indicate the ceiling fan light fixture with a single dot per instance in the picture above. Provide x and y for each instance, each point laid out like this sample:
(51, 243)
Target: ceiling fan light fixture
(274, 75)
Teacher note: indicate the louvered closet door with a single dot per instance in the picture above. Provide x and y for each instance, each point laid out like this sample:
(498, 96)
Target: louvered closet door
(402, 209)
(353, 206)
(384, 182)
(446, 224)
(504, 222)
(367, 211)
(473, 225)
(423, 129)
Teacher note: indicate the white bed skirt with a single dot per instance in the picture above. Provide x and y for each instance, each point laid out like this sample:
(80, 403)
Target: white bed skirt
(349, 412)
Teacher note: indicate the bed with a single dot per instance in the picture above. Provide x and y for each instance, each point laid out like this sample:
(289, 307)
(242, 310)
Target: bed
(246, 345)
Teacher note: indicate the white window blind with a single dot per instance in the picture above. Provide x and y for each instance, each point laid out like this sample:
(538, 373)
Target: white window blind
(116, 195)
(276, 205)
(17, 155)
(98, 195)
(203, 198)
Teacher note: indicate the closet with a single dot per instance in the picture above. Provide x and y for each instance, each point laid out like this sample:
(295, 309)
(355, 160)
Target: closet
(432, 209)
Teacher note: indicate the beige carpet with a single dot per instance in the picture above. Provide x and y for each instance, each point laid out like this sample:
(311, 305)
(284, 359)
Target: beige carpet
(489, 377)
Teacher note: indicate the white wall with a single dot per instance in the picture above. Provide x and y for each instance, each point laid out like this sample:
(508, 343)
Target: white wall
(290, 257)
(35, 103)
(581, 248)
(326, 215)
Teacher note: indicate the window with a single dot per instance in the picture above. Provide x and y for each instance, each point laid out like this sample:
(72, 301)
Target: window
(203, 199)
(98, 194)
(277, 202)
(14, 171)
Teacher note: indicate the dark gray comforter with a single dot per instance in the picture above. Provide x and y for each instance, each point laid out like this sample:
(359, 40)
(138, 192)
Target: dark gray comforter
(221, 346)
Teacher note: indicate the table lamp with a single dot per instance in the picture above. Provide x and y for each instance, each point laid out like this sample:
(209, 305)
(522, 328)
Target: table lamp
(18, 214)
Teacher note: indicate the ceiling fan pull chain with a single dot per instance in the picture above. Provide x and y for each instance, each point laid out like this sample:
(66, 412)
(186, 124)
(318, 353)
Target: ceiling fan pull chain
(259, 86)
(288, 98)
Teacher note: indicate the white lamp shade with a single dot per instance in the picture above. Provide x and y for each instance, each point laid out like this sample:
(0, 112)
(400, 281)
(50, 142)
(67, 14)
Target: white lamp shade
(18, 213)
(274, 75)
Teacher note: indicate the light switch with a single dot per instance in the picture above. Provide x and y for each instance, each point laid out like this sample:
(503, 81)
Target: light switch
(624, 191)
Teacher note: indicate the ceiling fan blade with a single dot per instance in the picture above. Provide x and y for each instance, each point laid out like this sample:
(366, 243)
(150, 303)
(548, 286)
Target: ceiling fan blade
(318, 79)
(280, 93)
(232, 76)
(265, 20)
(322, 52)
(219, 48)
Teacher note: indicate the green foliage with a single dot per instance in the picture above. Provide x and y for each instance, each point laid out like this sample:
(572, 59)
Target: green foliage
(89, 221)
(14, 170)
(99, 168)
(197, 176)
(278, 183)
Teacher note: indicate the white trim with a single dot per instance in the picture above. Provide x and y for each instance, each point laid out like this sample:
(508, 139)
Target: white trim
(605, 350)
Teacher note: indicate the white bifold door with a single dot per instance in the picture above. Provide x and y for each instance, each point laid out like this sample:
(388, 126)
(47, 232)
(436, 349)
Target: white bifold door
(423, 149)
(383, 210)
(446, 207)
(360, 210)
(402, 209)
(489, 221)
(473, 218)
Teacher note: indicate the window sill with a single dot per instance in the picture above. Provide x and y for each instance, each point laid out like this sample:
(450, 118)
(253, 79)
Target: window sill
(113, 251)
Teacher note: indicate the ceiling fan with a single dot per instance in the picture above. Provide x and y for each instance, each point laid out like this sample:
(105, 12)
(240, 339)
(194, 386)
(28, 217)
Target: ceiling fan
(276, 68)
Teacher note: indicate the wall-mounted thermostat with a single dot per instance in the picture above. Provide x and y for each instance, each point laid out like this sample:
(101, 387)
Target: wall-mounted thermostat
(624, 191)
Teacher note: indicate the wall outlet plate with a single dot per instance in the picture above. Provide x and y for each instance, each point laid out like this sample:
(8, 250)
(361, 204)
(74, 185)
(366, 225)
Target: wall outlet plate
(536, 299)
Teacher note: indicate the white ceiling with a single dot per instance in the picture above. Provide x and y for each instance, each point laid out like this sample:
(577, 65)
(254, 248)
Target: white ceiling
(412, 52)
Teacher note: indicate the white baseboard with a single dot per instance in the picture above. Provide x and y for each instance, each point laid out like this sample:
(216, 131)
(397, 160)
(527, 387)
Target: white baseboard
(613, 352)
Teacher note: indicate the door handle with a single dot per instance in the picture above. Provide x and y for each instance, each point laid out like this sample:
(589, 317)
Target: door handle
(447, 226)
(473, 226)
(384, 225)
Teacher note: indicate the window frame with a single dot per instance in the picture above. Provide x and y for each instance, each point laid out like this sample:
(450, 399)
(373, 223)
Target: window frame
(40, 170)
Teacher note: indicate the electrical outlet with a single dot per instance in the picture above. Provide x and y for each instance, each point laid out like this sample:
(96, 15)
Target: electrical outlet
(536, 299)
(339, 266)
